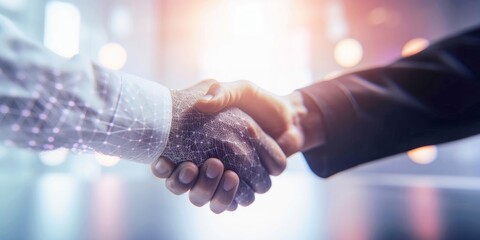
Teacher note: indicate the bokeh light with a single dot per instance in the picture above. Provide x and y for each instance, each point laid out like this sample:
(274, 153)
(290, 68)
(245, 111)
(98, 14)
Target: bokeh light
(348, 52)
(414, 46)
(112, 56)
(106, 160)
(13, 5)
(62, 28)
(54, 157)
(121, 22)
(423, 155)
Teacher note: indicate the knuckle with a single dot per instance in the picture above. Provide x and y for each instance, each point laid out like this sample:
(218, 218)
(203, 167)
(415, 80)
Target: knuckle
(209, 81)
(245, 83)
(253, 131)
(212, 80)
(249, 88)
(262, 184)
(215, 87)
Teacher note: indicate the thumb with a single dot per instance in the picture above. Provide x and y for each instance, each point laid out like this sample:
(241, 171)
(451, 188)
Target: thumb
(202, 85)
(220, 96)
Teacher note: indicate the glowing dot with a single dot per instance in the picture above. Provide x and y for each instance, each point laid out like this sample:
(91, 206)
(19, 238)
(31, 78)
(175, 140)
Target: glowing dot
(53, 158)
(106, 160)
(43, 116)
(56, 130)
(25, 113)
(414, 46)
(113, 56)
(35, 130)
(15, 127)
(4, 109)
(423, 155)
(71, 103)
(121, 22)
(59, 86)
(348, 52)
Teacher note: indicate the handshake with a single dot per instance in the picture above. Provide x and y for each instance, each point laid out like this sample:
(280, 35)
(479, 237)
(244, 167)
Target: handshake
(226, 139)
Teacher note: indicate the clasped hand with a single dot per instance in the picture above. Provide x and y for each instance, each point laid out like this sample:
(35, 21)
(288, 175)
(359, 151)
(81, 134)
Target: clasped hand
(220, 154)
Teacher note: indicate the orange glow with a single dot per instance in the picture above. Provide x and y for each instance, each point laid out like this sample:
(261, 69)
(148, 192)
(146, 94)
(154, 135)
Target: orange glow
(423, 155)
(113, 56)
(377, 16)
(414, 46)
(348, 52)
(254, 40)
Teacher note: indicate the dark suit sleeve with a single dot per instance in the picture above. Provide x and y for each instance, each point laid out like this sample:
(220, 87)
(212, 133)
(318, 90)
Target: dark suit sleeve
(429, 98)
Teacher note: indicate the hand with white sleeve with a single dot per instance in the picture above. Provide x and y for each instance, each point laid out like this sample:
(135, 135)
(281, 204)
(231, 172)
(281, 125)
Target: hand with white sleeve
(230, 137)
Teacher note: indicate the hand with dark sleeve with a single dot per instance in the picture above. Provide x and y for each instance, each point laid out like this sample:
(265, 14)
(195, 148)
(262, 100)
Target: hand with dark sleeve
(429, 98)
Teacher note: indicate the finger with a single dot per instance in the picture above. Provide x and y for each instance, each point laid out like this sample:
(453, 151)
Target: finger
(162, 168)
(207, 182)
(271, 155)
(268, 110)
(258, 178)
(222, 95)
(203, 85)
(182, 178)
(233, 206)
(245, 195)
(225, 193)
(290, 141)
(250, 170)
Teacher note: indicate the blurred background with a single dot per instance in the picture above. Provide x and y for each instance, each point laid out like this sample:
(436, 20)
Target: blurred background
(427, 193)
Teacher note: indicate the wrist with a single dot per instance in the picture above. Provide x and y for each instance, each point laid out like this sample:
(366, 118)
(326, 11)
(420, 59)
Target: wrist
(308, 118)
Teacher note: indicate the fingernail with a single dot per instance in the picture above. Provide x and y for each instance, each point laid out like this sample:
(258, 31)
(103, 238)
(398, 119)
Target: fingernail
(212, 172)
(228, 184)
(161, 168)
(206, 98)
(186, 176)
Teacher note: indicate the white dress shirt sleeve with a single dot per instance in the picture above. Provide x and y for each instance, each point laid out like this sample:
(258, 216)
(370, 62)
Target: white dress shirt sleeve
(48, 102)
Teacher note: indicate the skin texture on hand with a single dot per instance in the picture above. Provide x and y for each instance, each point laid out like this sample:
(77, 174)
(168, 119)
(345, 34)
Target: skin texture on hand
(205, 145)
(294, 121)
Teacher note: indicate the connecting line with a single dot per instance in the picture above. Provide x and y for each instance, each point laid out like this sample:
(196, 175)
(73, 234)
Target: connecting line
(110, 125)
